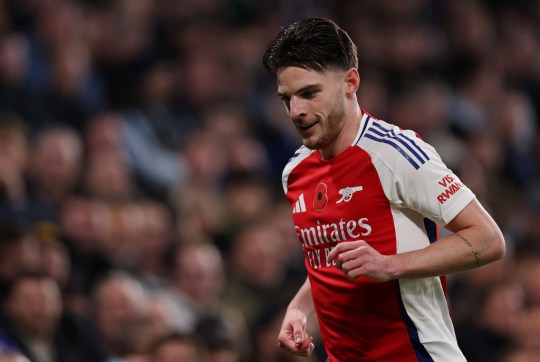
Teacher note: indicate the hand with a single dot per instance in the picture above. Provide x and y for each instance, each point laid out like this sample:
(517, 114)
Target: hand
(292, 336)
(358, 258)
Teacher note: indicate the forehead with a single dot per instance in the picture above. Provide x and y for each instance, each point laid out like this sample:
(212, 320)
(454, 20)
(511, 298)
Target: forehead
(291, 79)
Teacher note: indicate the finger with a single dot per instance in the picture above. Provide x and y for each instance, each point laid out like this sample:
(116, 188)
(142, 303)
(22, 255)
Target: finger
(287, 344)
(304, 349)
(352, 261)
(304, 346)
(353, 273)
(346, 257)
(354, 254)
(336, 250)
(306, 352)
(344, 247)
(298, 331)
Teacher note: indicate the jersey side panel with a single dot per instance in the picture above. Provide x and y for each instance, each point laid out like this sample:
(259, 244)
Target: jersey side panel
(419, 186)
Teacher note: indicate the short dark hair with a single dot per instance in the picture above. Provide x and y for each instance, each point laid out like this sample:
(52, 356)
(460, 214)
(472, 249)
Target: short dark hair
(313, 44)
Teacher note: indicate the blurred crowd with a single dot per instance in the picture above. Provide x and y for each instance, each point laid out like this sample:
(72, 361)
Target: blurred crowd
(141, 147)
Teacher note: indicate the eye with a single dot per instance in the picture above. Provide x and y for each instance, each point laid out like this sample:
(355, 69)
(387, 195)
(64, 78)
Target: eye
(308, 94)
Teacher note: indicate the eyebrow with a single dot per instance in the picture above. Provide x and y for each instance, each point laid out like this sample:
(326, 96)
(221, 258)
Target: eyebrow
(310, 87)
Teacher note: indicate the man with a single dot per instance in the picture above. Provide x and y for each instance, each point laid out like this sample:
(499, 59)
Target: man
(366, 198)
(33, 322)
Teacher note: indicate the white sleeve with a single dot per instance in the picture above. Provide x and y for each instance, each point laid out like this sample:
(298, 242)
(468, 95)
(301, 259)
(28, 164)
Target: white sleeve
(414, 176)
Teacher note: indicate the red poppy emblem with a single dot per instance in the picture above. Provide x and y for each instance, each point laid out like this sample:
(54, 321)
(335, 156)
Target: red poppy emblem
(321, 197)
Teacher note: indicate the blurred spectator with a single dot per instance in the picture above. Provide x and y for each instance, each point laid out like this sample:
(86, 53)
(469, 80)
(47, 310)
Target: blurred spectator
(161, 317)
(200, 214)
(157, 239)
(206, 159)
(54, 168)
(19, 253)
(231, 123)
(221, 345)
(157, 166)
(529, 329)
(199, 281)
(470, 29)
(160, 106)
(257, 271)
(519, 355)
(61, 78)
(470, 291)
(119, 303)
(517, 120)
(14, 201)
(122, 234)
(108, 177)
(82, 222)
(103, 134)
(528, 269)
(13, 64)
(34, 320)
(178, 347)
(249, 198)
(53, 254)
(13, 357)
(165, 316)
(494, 324)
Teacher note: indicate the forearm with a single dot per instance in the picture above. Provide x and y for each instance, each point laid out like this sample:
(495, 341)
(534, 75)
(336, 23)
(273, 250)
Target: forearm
(455, 253)
(471, 246)
(303, 300)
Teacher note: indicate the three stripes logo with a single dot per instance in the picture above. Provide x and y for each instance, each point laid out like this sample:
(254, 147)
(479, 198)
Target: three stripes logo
(300, 205)
(401, 143)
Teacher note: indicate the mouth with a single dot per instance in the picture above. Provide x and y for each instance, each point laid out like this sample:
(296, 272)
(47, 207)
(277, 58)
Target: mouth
(306, 127)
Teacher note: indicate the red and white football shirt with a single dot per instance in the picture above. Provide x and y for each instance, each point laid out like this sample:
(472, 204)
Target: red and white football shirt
(390, 189)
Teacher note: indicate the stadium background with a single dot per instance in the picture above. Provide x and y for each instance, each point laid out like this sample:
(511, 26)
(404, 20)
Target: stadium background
(141, 145)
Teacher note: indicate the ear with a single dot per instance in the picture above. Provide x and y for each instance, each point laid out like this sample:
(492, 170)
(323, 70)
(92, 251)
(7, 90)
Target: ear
(352, 80)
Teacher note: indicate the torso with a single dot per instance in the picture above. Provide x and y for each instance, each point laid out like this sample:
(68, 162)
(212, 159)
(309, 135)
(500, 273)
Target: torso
(347, 198)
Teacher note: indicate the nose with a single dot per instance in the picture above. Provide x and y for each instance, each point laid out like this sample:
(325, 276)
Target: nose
(297, 108)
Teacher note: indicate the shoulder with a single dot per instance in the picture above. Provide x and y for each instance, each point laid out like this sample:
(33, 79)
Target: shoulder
(299, 155)
(394, 145)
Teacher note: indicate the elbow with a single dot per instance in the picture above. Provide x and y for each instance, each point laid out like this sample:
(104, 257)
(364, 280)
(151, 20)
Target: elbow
(497, 246)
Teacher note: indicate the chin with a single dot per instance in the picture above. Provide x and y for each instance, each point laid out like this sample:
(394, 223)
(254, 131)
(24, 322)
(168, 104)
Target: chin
(314, 144)
(310, 145)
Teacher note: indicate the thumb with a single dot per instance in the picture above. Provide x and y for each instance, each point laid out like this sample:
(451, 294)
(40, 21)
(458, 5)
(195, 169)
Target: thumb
(298, 331)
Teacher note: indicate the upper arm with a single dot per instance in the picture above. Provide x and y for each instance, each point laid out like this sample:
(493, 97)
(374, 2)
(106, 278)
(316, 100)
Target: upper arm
(472, 215)
(477, 221)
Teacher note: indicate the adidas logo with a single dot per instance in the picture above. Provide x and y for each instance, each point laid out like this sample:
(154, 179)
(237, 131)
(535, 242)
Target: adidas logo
(300, 205)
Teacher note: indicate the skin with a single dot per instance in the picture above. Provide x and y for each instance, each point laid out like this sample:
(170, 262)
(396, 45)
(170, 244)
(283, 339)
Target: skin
(322, 106)
(324, 109)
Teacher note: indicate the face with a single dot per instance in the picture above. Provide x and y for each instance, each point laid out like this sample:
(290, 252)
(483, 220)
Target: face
(119, 305)
(315, 102)
(200, 274)
(35, 306)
